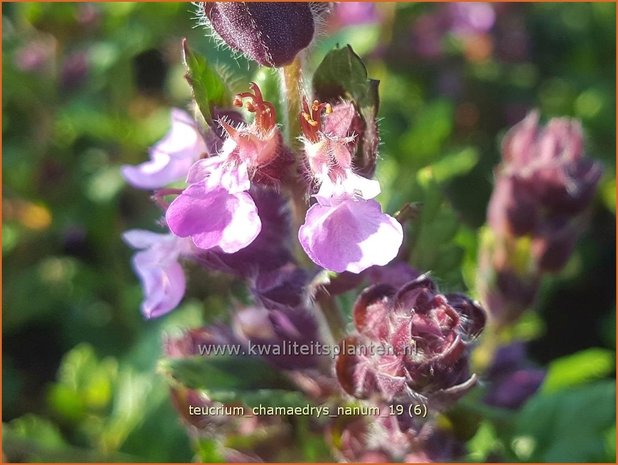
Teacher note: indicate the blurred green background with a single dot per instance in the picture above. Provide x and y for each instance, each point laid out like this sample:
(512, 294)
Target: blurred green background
(88, 87)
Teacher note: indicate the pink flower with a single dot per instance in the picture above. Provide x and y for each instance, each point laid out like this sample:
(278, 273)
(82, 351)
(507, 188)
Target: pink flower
(157, 266)
(345, 230)
(349, 234)
(171, 157)
(216, 210)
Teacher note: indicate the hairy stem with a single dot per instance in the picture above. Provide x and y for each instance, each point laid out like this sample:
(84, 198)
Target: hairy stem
(291, 90)
(291, 99)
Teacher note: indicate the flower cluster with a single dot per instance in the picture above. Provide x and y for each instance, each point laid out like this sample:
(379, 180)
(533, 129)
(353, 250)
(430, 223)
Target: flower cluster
(226, 182)
(247, 196)
(537, 210)
(429, 334)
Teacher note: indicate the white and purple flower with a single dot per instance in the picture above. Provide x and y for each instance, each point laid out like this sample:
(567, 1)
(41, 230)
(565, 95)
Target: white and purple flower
(346, 229)
(156, 264)
(216, 210)
(171, 157)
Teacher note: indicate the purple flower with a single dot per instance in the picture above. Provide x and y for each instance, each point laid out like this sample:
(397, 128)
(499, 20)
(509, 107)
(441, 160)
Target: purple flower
(74, 70)
(471, 17)
(349, 234)
(35, 56)
(512, 381)
(156, 264)
(354, 13)
(280, 331)
(271, 248)
(216, 210)
(170, 158)
(542, 188)
(345, 230)
(549, 163)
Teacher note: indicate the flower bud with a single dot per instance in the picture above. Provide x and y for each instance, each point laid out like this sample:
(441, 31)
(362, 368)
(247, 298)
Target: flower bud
(424, 337)
(270, 33)
(544, 175)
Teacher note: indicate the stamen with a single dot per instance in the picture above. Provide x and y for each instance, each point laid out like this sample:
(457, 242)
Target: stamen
(311, 118)
(265, 114)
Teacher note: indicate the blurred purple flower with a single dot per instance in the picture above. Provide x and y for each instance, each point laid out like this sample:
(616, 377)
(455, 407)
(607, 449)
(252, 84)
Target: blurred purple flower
(280, 331)
(74, 70)
(355, 13)
(543, 186)
(35, 56)
(464, 21)
(171, 157)
(471, 17)
(156, 264)
(511, 379)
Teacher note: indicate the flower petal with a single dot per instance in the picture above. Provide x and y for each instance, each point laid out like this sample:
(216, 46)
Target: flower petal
(164, 285)
(214, 218)
(170, 158)
(244, 226)
(199, 210)
(202, 169)
(141, 239)
(350, 236)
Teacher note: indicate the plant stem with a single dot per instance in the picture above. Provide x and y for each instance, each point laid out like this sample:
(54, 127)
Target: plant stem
(332, 316)
(291, 94)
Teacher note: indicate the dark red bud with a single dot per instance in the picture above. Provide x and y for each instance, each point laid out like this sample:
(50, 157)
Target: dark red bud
(271, 33)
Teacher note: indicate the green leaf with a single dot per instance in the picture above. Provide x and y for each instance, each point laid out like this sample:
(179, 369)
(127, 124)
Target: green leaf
(579, 368)
(209, 89)
(222, 374)
(454, 164)
(342, 74)
(567, 426)
(208, 450)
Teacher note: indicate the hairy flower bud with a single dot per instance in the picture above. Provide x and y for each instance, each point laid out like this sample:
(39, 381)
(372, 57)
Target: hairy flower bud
(426, 336)
(544, 177)
(270, 33)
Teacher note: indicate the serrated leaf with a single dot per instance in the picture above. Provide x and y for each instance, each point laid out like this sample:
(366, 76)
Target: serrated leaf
(584, 366)
(209, 89)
